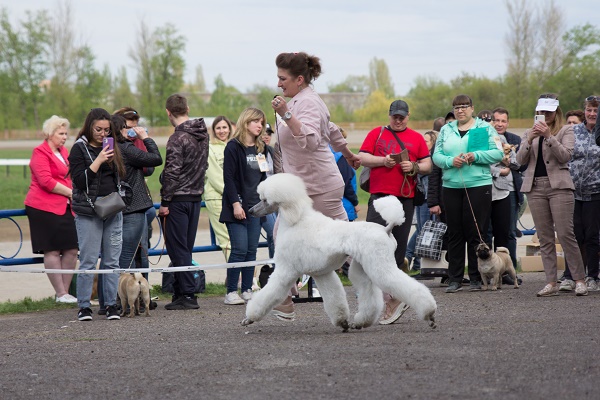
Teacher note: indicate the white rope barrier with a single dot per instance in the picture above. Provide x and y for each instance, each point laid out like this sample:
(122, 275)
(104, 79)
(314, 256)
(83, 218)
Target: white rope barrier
(143, 270)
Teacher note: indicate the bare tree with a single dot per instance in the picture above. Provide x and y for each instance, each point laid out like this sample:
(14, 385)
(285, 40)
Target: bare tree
(520, 41)
(551, 51)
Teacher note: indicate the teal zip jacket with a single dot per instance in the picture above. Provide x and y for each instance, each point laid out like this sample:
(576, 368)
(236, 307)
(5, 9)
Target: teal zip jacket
(449, 145)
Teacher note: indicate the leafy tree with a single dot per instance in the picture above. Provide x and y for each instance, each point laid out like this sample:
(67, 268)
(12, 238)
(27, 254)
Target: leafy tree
(167, 65)
(23, 58)
(226, 100)
(376, 108)
(122, 95)
(352, 84)
(429, 98)
(379, 77)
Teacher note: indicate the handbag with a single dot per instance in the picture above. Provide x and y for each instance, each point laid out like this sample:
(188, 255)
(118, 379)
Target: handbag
(365, 174)
(430, 240)
(108, 206)
(112, 204)
(420, 197)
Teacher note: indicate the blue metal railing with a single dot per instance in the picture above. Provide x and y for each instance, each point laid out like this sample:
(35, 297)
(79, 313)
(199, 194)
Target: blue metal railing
(12, 260)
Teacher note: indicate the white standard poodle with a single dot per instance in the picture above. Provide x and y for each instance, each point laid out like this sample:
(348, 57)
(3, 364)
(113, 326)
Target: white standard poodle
(310, 243)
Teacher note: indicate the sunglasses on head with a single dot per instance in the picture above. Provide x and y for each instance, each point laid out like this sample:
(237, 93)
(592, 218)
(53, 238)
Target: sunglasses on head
(593, 98)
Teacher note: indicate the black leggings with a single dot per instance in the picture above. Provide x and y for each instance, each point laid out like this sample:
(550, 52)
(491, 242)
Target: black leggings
(462, 229)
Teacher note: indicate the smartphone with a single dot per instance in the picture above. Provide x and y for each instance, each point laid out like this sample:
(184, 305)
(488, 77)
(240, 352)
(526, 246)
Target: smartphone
(540, 118)
(108, 141)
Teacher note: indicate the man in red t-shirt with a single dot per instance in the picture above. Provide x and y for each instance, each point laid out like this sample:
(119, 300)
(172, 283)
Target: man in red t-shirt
(381, 151)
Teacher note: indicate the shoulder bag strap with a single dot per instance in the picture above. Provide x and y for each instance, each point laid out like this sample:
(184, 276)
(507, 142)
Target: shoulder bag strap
(398, 139)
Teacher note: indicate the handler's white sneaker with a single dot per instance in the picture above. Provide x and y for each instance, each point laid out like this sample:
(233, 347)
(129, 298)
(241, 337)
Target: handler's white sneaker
(233, 298)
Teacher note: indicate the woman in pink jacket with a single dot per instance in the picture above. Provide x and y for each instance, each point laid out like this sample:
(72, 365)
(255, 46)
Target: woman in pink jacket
(48, 207)
(304, 134)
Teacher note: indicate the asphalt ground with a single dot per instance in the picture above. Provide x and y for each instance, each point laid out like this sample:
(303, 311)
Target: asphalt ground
(507, 344)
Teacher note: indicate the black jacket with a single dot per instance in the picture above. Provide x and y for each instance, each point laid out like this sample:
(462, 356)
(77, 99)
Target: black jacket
(186, 162)
(82, 155)
(434, 188)
(234, 169)
(135, 161)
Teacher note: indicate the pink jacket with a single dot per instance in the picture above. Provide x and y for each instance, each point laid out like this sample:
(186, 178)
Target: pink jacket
(46, 171)
(308, 155)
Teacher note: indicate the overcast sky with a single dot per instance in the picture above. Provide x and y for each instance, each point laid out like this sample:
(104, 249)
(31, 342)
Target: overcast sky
(240, 39)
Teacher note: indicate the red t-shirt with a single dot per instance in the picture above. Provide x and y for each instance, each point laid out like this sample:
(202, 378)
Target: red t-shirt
(392, 180)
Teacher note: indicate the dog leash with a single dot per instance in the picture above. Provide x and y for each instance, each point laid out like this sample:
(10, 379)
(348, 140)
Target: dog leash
(471, 207)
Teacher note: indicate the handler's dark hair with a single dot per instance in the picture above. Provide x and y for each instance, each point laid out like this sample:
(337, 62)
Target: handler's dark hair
(300, 64)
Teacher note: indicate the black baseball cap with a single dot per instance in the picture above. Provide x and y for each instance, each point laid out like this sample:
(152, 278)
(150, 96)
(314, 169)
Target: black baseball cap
(399, 107)
(268, 129)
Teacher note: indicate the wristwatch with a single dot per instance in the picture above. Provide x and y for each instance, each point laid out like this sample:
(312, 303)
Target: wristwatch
(287, 116)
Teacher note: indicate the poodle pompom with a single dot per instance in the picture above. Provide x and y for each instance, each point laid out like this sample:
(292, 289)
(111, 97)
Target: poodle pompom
(390, 209)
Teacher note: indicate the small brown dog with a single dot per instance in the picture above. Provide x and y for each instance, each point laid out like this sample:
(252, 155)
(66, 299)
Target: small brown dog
(493, 265)
(132, 286)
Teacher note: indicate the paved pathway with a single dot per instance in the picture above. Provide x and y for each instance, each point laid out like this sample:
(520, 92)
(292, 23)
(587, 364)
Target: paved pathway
(488, 345)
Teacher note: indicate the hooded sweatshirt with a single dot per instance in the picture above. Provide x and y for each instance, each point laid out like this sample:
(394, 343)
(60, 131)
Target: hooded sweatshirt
(186, 162)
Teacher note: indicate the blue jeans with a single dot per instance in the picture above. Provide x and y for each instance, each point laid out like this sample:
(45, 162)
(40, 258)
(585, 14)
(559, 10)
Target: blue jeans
(423, 215)
(268, 223)
(134, 232)
(244, 243)
(104, 237)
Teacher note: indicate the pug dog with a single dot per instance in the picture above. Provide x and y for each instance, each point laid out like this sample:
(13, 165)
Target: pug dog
(132, 286)
(493, 265)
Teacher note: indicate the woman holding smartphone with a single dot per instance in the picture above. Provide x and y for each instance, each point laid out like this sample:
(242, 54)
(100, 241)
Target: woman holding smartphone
(96, 171)
(546, 149)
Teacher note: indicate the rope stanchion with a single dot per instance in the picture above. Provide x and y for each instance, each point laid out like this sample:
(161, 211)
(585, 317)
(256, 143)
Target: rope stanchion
(143, 270)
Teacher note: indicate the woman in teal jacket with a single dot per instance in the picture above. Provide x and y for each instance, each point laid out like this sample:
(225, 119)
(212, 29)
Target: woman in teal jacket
(464, 151)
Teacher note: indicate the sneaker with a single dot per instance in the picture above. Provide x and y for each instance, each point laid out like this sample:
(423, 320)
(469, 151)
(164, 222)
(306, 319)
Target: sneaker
(247, 295)
(233, 298)
(184, 302)
(112, 312)
(548, 291)
(175, 302)
(84, 314)
(567, 285)
(393, 311)
(67, 298)
(592, 285)
(316, 293)
(518, 233)
(444, 281)
(454, 287)
(475, 286)
(581, 289)
(285, 311)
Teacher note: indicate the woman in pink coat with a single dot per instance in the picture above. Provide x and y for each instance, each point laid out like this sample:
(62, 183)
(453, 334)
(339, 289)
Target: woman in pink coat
(48, 207)
(305, 134)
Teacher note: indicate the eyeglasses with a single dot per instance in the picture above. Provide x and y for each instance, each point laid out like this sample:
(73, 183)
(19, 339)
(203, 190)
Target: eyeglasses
(100, 130)
(593, 98)
(461, 107)
(549, 96)
(487, 119)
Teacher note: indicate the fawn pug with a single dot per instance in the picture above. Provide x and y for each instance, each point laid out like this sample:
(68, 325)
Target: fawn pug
(132, 286)
(493, 265)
